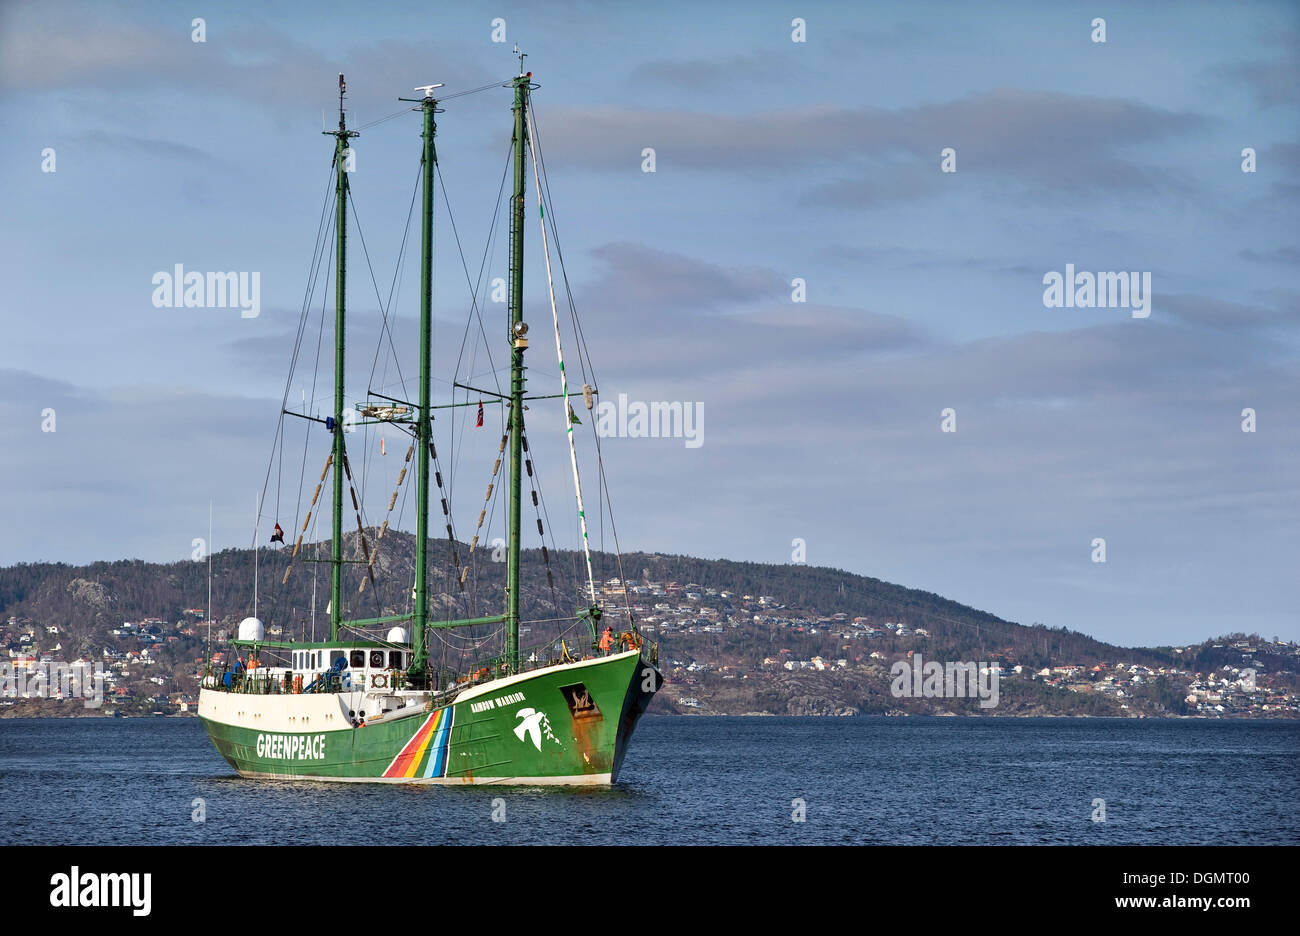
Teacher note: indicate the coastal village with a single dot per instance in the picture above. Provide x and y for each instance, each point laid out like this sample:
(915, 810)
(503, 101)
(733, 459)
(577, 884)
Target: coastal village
(711, 641)
(670, 609)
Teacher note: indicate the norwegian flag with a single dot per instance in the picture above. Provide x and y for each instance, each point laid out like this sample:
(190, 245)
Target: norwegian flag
(479, 424)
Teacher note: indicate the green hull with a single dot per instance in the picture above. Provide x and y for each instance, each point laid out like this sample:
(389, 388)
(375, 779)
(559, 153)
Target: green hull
(567, 724)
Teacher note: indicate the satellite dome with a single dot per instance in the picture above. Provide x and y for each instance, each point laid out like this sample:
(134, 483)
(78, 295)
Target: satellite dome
(250, 628)
(397, 635)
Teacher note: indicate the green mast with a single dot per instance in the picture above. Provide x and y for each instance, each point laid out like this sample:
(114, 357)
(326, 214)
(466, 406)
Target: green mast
(423, 425)
(341, 137)
(518, 329)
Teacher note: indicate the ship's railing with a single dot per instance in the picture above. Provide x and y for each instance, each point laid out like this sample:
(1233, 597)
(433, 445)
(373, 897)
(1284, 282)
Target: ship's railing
(551, 652)
(283, 681)
(265, 680)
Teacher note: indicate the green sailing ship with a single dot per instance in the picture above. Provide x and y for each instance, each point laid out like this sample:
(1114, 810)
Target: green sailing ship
(371, 704)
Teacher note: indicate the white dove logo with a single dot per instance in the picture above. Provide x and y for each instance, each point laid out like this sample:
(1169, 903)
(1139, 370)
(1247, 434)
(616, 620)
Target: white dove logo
(531, 724)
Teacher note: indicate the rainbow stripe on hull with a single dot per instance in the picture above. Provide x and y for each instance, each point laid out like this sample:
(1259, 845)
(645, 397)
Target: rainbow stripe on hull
(425, 755)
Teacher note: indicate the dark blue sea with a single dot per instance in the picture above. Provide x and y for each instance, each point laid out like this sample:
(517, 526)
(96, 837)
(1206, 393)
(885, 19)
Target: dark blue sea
(694, 781)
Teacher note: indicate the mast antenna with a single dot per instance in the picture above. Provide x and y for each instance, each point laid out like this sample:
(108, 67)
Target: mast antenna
(522, 56)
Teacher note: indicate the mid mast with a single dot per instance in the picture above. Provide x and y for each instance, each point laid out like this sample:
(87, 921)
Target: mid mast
(341, 154)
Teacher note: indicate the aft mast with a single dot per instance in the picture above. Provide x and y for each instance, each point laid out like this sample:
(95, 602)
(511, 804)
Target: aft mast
(341, 137)
(518, 331)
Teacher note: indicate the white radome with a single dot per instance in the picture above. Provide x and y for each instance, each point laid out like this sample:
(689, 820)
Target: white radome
(398, 635)
(250, 628)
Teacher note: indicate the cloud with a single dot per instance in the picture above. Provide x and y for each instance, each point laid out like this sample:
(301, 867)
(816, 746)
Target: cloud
(1050, 140)
(1286, 156)
(885, 184)
(690, 317)
(666, 281)
(697, 74)
(138, 145)
(127, 471)
(1272, 82)
(1129, 430)
(250, 61)
(1225, 314)
(1289, 256)
(904, 34)
(912, 258)
(810, 428)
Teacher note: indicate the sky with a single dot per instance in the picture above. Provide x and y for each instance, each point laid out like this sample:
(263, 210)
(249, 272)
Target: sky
(783, 170)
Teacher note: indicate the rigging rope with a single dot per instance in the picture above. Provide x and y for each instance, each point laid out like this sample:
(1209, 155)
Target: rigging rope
(546, 557)
(329, 460)
(312, 273)
(569, 418)
(584, 362)
(312, 278)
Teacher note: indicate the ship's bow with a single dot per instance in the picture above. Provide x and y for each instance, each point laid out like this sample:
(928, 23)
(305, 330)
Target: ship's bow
(645, 682)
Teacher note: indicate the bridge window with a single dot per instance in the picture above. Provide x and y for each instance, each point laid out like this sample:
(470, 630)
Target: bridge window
(395, 659)
(377, 659)
(358, 659)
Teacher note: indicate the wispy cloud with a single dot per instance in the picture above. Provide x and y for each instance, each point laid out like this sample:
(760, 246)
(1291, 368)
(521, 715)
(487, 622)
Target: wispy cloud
(1224, 314)
(1289, 256)
(255, 63)
(1053, 140)
(1272, 79)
